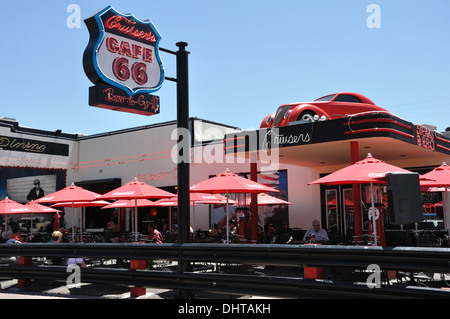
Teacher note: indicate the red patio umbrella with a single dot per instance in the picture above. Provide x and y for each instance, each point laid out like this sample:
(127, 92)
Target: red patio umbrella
(136, 190)
(440, 181)
(438, 177)
(367, 171)
(73, 194)
(130, 203)
(166, 202)
(80, 205)
(434, 189)
(265, 199)
(94, 203)
(39, 209)
(196, 198)
(9, 207)
(56, 224)
(227, 182)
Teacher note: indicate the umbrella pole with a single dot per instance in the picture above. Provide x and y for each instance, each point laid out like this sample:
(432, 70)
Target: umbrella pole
(193, 216)
(374, 230)
(135, 219)
(211, 221)
(132, 221)
(446, 208)
(73, 227)
(83, 214)
(83, 217)
(170, 218)
(213, 216)
(81, 222)
(31, 229)
(228, 222)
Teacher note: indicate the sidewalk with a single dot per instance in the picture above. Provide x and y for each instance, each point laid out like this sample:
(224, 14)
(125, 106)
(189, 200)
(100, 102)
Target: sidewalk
(57, 290)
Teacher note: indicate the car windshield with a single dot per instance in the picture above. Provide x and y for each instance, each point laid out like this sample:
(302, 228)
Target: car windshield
(326, 98)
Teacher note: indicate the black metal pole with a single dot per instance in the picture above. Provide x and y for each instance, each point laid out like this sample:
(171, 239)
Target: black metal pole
(183, 143)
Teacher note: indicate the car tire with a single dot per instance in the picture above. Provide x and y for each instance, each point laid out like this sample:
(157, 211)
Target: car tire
(307, 116)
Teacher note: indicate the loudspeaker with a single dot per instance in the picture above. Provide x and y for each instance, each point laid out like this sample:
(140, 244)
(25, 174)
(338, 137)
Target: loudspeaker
(404, 198)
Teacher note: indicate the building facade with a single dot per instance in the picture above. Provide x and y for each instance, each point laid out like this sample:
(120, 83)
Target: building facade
(288, 159)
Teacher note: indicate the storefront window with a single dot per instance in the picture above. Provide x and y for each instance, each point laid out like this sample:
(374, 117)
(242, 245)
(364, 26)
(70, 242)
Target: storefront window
(433, 212)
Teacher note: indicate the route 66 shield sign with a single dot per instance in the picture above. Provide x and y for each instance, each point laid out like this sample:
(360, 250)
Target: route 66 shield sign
(123, 52)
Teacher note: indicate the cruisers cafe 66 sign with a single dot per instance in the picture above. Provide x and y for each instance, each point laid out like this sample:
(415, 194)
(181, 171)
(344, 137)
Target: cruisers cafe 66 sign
(122, 60)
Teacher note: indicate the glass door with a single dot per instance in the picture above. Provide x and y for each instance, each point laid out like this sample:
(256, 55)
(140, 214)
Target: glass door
(347, 209)
(332, 216)
(339, 214)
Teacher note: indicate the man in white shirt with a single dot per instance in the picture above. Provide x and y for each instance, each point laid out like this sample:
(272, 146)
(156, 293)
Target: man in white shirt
(316, 233)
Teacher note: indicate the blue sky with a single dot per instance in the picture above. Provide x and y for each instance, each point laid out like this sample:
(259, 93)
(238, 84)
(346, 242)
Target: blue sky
(247, 58)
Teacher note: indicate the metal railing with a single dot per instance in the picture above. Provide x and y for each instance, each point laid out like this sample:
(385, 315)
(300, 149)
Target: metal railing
(406, 259)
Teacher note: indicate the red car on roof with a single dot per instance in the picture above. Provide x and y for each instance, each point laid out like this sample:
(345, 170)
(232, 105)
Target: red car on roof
(331, 106)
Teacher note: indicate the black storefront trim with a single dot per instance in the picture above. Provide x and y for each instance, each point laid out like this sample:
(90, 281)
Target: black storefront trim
(354, 127)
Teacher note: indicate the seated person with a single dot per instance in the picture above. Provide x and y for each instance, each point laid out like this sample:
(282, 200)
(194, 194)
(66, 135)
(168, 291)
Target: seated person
(76, 261)
(65, 235)
(284, 235)
(269, 234)
(8, 238)
(154, 235)
(111, 230)
(316, 234)
(57, 238)
(15, 231)
(216, 233)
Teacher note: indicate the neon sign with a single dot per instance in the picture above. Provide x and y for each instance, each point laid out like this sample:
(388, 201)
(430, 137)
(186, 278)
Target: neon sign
(123, 54)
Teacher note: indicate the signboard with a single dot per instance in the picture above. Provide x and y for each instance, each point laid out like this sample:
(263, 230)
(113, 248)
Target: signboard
(113, 98)
(123, 55)
(10, 143)
(373, 213)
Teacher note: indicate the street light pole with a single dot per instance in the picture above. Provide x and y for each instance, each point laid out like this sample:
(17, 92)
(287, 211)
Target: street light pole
(183, 158)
